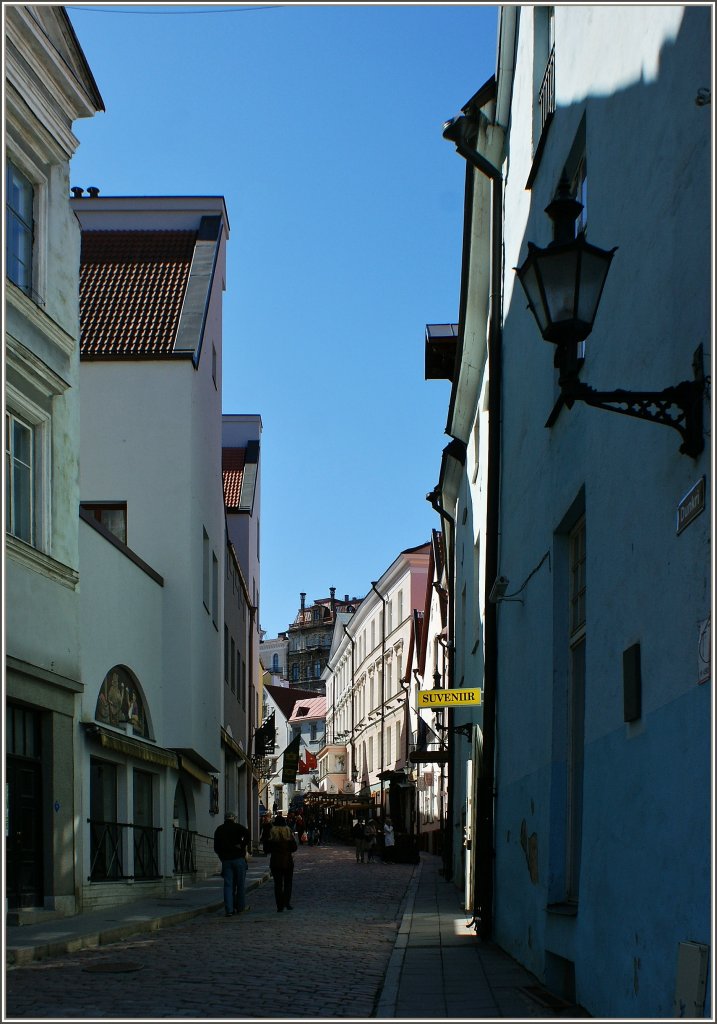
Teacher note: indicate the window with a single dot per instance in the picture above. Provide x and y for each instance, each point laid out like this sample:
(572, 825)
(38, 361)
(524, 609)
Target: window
(317, 669)
(112, 515)
(370, 753)
(206, 579)
(275, 663)
(576, 710)
(313, 733)
(215, 589)
(19, 478)
(390, 617)
(19, 227)
(580, 190)
(373, 634)
(294, 673)
(233, 666)
(388, 746)
(543, 70)
(400, 606)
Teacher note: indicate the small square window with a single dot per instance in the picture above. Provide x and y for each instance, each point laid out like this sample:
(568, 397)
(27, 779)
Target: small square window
(112, 515)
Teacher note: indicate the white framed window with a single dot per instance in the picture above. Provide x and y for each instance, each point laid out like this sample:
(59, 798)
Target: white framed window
(19, 226)
(399, 600)
(19, 478)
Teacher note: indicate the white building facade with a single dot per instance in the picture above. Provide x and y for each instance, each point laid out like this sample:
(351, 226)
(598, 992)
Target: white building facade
(153, 541)
(48, 85)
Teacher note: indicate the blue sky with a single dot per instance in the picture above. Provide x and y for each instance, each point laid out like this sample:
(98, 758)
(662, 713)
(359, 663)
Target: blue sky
(321, 126)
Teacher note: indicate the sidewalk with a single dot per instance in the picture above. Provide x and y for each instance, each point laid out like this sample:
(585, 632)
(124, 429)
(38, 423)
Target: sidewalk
(25, 943)
(441, 968)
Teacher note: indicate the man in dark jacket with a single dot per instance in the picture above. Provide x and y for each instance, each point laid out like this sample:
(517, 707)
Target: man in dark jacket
(230, 845)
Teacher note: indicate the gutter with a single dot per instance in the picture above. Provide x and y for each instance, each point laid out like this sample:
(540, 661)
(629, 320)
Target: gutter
(463, 132)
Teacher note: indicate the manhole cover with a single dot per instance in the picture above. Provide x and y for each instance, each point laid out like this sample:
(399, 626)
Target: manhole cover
(113, 967)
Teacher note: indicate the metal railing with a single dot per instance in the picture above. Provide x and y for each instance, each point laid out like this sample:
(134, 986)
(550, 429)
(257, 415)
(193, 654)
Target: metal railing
(107, 851)
(546, 96)
(185, 851)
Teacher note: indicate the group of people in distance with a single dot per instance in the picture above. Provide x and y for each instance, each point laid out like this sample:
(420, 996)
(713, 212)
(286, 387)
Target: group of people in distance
(374, 839)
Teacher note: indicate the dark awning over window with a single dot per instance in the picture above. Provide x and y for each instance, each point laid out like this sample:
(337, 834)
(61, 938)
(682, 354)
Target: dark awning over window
(140, 749)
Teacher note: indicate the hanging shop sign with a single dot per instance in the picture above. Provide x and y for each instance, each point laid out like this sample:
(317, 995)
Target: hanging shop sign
(428, 757)
(449, 698)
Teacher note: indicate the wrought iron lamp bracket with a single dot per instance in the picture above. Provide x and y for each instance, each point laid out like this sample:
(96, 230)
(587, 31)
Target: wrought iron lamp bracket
(654, 406)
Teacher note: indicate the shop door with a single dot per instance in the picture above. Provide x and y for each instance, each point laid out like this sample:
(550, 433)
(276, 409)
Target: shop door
(23, 810)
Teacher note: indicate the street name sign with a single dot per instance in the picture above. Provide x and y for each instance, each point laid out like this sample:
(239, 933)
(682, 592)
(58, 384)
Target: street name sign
(449, 698)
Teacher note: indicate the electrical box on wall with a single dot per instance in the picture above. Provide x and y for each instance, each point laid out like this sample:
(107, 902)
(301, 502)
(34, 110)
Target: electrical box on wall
(691, 981)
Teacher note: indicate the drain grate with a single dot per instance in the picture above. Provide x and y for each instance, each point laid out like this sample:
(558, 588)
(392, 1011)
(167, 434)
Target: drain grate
(113, 967)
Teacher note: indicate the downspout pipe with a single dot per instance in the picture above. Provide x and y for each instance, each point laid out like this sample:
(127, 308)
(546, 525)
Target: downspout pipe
(435, 499)
(463, 132)
(383, 684)
(353, 698)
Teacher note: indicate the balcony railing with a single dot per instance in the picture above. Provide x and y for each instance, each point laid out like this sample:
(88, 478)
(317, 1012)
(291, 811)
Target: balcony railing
(546, 96)
(107, 851)
(185, 851)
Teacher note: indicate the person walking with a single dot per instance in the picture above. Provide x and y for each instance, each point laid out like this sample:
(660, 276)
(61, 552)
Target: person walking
(230, 845)
(357, 832)
(389, 841)
(266, 832)
(282, 844)
(369, 835)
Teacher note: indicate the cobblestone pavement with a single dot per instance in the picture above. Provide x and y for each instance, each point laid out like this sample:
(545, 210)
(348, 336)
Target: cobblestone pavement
(325, 958)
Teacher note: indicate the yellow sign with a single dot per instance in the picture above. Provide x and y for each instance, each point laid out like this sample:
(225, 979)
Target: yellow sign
(448, 698)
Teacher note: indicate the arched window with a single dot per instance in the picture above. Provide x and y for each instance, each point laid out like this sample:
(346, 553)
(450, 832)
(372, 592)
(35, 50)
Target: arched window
(119, 702)
(275, 662)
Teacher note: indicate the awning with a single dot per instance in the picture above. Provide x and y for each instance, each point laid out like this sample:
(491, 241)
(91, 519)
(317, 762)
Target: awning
(194, 764)
(131, 747)
(231, 744)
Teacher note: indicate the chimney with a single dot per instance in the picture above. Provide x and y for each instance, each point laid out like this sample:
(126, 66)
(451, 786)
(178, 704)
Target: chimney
(93, 191)
(346, 598)
(332, 591)
(302, 595)
(77, 192)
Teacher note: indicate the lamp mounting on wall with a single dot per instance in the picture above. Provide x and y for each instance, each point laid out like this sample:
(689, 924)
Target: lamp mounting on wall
(563, 284)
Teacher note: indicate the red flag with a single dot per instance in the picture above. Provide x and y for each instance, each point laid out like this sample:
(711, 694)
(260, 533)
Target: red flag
(311, 762)
(302, 768)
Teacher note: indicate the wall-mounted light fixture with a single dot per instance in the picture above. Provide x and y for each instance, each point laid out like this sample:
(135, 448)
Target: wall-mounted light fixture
(564, 283)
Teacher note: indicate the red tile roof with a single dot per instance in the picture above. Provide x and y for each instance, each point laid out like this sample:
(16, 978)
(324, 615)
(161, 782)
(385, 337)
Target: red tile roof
(314, 707)
(132, 286)
(232, 475)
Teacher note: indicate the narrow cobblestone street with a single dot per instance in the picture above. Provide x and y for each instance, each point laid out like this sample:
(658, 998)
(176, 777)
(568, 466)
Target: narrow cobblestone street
(326, 958)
